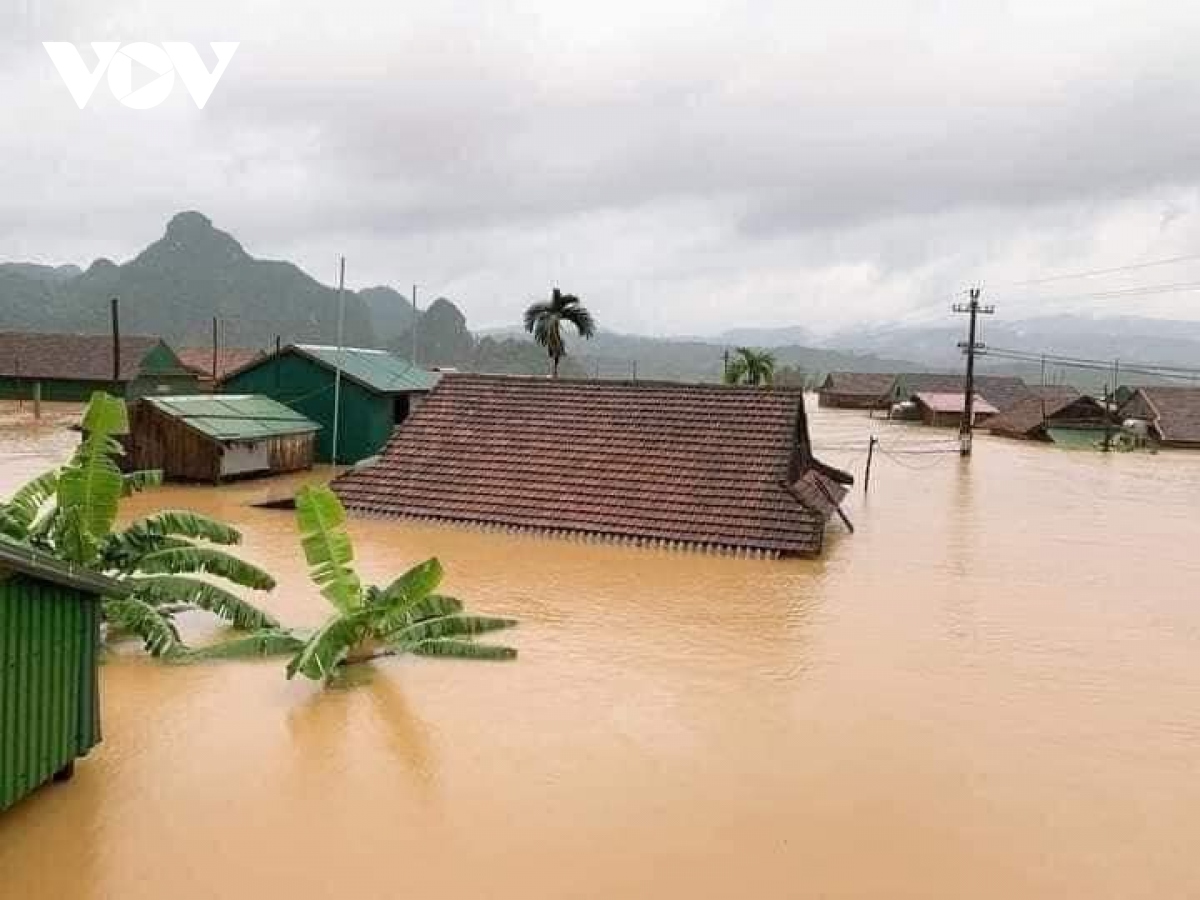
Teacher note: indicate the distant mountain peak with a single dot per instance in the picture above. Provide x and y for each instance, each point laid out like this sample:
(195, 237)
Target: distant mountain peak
(192, 233)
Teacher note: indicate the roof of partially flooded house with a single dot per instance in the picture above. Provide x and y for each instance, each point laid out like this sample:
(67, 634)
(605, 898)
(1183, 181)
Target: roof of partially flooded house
(234, 417)
(1001, 391)
(1024, 419)
(704, 465)
(1177, 411)
(943, 402)
(858, 384)
(229, 359)
(81, 357)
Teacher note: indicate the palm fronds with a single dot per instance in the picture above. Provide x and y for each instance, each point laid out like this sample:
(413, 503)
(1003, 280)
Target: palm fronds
(18, 515)
(156, 590)
(190, 559)
(327, 547)
(544, 320)
(270, 642)
(157, 631)
(329, 646)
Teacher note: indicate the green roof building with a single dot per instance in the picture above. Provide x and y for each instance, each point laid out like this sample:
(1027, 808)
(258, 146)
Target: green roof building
(379, 390)
(49, 654)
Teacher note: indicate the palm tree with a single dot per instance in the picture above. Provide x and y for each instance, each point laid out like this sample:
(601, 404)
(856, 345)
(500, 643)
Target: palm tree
(544, 321)
(70, 512)
(752, 367)
(407, 616)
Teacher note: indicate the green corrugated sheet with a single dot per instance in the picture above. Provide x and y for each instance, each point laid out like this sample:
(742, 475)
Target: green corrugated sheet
(49, 696)
(235, 417)
(375, 369)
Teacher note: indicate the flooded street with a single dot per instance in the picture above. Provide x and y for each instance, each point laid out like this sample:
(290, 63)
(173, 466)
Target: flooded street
(991, 690)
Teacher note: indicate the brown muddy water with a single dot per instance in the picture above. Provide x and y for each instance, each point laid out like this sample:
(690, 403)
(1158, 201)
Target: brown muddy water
(991, 690)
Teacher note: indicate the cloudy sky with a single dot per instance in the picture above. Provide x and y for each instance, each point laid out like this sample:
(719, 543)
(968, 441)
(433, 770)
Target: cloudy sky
(684, 165)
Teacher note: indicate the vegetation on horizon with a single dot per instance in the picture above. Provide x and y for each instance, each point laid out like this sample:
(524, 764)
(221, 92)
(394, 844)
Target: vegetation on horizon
(751, 367)
(544, 321)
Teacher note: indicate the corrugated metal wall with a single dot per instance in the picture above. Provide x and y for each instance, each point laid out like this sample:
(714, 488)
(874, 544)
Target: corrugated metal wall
(49, 695)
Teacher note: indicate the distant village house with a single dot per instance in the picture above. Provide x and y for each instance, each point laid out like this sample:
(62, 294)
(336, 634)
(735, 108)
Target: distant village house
(70, 367)
(1170, 414)
(948, 410)
(1053, 413)
(856, 390)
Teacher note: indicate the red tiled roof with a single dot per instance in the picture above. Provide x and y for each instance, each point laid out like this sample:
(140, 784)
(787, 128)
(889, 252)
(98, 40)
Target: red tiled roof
(229, 359)
(83, 357)
(699, 464)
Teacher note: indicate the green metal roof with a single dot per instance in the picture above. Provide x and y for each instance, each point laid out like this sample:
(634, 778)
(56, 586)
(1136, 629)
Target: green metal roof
(36, 564)
(235, 417)
(377, 370)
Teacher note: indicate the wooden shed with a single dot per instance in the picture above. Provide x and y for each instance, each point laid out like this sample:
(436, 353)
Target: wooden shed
(214, 438)
(49, 646)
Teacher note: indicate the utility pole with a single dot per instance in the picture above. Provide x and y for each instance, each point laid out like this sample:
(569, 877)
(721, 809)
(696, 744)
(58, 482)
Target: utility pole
(974, 309)
(725, 372)
(337, 372)
(116, 341)
(416, 315)
(214, 359)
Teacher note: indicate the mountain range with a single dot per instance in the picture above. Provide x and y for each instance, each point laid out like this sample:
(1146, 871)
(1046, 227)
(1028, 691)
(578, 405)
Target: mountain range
(195, 272)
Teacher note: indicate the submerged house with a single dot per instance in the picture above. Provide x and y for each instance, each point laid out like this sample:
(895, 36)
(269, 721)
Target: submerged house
(706, 466)
(855, 390)
(943, 410)
(210, 367)
(1171, 414)
(212, 438)
(378, 391)
(1052, 412)
(1000, 391)
(71, 367)
(49, 667)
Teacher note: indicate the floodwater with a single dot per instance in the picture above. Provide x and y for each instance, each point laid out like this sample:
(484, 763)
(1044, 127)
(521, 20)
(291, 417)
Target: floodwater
(991, 690)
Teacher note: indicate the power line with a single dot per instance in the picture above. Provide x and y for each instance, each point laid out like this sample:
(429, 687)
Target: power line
(1141, 291)
(1109, 271)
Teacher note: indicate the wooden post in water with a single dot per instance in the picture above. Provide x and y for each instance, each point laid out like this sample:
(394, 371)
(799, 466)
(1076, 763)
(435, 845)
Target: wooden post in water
(37, 399)
(870, 457)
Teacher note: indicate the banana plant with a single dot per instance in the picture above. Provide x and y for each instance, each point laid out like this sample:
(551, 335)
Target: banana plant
(406, 616)
(71, 512)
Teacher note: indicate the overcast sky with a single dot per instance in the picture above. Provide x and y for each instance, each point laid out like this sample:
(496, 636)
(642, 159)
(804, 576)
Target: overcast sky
(683, 165)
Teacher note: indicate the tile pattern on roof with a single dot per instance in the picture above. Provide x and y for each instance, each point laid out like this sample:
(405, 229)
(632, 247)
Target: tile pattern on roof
(703, 465)
(1178, 410)
(229, 359)
(1028, 416)
(82, 357)
(1001, 391)
(859, 384)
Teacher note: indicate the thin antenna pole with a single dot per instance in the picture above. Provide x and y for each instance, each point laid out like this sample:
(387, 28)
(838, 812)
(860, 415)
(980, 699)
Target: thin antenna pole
(414, 326)
(337, 372)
